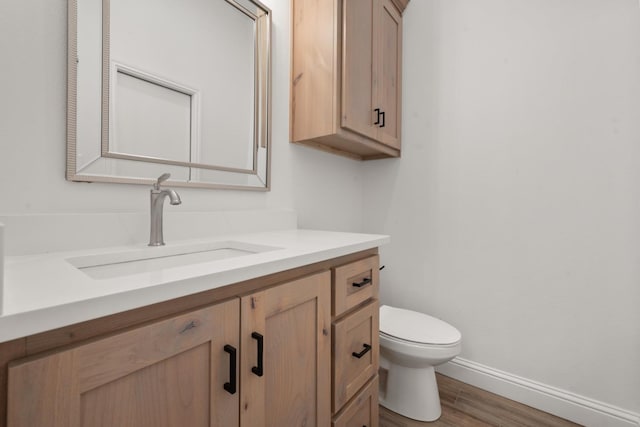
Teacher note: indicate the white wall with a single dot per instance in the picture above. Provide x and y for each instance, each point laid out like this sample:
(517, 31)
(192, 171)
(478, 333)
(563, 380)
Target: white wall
(32, 136)
(515, 209)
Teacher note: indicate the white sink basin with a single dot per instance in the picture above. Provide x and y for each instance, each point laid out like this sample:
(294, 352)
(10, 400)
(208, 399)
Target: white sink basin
(149, 259)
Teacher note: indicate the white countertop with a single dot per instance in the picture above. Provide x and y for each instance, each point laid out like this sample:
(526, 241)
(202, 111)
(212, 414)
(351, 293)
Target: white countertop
(44, 292)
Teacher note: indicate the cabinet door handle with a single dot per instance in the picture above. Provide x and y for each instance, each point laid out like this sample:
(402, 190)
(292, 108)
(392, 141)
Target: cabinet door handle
(231, 385)
(377, 122)
(382, 115)
(258, 369)
(367, 347)
(365, 281)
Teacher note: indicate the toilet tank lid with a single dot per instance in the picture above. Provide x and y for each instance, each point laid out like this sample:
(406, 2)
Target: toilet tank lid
(416, 327)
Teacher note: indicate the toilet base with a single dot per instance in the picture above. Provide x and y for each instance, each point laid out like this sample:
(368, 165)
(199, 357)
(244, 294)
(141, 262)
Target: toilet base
(410, 392)
(389, 418)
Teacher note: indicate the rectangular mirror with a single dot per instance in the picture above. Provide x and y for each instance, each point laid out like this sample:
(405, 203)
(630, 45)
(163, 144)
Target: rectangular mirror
(159, 86)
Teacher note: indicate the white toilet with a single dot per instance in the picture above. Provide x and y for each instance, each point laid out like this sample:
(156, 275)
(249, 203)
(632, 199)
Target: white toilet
(411, 344)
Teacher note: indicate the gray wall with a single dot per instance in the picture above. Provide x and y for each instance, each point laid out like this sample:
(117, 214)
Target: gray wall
(515, 209)
(32, 136)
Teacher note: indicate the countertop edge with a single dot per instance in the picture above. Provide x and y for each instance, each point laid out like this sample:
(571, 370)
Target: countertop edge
(25, 323)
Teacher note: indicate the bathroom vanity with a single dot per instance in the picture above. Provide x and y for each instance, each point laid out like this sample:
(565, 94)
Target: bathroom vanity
(286, 334)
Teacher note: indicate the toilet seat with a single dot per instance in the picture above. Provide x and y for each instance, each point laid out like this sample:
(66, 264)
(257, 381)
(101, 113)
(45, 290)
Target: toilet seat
(418, 328)
(419, 346)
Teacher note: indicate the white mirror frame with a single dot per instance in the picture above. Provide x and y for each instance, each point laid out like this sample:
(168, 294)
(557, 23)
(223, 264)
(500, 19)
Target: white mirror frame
(262, 111)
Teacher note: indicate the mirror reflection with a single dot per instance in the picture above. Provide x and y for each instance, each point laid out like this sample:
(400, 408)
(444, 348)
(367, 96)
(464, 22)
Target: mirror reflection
(166, 86)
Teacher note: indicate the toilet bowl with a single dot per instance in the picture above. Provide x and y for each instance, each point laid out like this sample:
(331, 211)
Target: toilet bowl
(411, 344)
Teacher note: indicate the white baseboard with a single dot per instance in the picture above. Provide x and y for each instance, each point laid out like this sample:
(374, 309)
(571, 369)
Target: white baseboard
(562, 403)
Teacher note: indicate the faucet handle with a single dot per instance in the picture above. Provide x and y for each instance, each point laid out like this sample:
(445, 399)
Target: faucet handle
(161, 179)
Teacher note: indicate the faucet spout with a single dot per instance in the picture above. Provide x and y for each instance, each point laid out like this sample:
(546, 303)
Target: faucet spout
(174, 198)
(156, 237)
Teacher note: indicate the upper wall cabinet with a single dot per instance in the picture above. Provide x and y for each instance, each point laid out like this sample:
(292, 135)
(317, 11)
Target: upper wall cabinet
(346, 76)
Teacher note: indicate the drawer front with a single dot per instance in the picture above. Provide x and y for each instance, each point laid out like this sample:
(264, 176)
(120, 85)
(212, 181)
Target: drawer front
(355, 283)
(355, 351)
(362, 410)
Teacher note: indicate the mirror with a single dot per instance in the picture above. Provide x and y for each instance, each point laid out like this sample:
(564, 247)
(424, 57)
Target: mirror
(159, 86)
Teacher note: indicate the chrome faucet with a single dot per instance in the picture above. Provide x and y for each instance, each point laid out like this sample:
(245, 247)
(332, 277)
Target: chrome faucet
(157, 202)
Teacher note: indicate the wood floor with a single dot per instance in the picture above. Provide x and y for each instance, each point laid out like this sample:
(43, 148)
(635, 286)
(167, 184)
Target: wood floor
(467, 406)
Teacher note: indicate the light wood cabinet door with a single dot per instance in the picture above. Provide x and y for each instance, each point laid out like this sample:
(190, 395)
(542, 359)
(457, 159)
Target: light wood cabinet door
(389, 72)
(168, 373)
(286, 355)
(358, 71)
(371, 69)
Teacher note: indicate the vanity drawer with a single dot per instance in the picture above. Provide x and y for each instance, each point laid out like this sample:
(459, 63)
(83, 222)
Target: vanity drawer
(355, 352)
(362, 410)
(355, 283)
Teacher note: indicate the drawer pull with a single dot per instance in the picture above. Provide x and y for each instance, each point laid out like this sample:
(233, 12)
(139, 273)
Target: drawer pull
(377, 111)
(367, 347)
(231, 385)
(258, 369)
(365, 281)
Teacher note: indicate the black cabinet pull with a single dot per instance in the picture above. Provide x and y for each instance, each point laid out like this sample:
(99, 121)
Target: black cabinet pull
(258, 369)
(231, 385)
(377, 122)
(367, 347)
(382, 114)
(365, 281)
